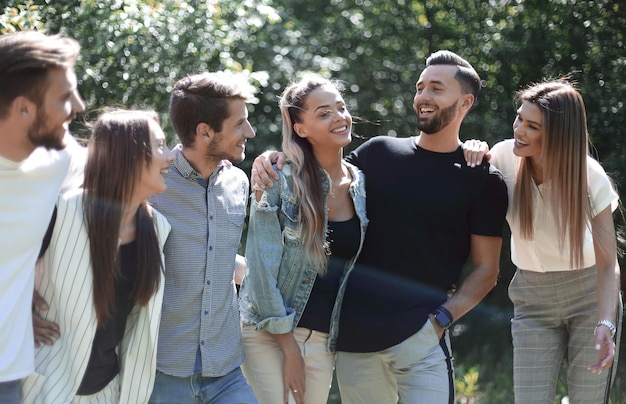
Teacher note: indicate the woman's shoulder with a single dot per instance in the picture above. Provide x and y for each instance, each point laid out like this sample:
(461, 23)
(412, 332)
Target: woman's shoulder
(285, 175)
(357, 175)
(601, 187)
(594, 167)
(597, 178)
(286, 170)
(71, 200)
(504, 145)
(72, 195)
(160, 222)
(502, 156)
(351, 167)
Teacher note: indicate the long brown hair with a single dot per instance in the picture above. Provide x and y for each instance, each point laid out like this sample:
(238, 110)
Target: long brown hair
(564, 163)
(119, 148)
(307, 173)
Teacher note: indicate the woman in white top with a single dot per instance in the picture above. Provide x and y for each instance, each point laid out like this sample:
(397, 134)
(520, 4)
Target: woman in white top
(102, 273)
(566, 289)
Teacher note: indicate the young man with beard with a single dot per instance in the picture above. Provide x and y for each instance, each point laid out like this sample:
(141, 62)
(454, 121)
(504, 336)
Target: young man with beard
(38, 99)
(200, 349)
(429, 212)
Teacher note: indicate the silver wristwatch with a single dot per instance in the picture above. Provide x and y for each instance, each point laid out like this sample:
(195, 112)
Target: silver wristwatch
(607, 324)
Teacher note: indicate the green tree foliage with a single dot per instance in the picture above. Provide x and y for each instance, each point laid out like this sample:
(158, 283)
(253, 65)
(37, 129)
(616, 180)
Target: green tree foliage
(21, 17)
(134, 50)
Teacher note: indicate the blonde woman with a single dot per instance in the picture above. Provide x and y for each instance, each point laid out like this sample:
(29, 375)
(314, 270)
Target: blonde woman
(303, 239)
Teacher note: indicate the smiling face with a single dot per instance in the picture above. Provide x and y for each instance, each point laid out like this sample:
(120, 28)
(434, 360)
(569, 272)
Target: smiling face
(59, 106)
(152, 177)
(326, 121)
(437, 98)
(528, 131)
(230, 142)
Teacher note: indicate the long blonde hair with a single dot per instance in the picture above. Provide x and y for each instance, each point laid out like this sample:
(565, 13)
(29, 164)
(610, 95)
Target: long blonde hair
(307, 173)
(564, 162)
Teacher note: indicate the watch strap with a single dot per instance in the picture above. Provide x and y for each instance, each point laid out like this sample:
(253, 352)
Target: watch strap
(607, 324)
(443, 317)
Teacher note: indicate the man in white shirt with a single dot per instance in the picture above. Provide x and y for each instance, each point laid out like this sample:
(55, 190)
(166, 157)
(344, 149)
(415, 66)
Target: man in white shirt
(38, 100)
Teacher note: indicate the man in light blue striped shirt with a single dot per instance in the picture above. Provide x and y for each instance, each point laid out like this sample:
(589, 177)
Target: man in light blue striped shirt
(200, 350)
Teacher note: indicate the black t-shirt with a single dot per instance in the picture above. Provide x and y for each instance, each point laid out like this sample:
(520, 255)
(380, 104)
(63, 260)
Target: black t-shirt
(423, 208)
(344, 238)
(103, 363)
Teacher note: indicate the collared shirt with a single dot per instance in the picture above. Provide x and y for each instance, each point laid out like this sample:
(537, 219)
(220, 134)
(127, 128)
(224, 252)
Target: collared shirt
(542, 253)
(200, 309)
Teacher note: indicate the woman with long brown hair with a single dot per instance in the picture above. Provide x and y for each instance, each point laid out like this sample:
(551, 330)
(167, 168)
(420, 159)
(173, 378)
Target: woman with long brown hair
(102, 273)
(565, 291)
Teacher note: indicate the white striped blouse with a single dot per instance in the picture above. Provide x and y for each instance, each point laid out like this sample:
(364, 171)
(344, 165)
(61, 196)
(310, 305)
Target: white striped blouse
(65, 281)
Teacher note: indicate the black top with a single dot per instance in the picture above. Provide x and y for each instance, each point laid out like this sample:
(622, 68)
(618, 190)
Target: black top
(344, 238)
(423, 208)
(103, 363)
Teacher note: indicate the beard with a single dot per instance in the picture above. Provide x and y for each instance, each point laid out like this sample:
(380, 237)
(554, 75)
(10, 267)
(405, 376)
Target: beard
(41, 135)
(217, 152)
(440, 121)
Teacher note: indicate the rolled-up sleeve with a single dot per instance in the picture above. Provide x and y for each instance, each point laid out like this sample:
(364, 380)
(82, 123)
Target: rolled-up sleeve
(264, 251)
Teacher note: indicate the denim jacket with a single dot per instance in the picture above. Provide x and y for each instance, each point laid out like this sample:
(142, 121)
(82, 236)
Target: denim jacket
(278, 278)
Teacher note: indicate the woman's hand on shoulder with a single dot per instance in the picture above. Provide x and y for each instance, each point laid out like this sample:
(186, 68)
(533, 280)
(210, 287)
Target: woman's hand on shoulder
(474, 151)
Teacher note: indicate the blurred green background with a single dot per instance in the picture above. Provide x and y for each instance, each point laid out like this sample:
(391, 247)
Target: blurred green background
(133, 52)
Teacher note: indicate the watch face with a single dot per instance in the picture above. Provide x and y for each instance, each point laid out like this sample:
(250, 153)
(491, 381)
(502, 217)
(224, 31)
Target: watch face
(442, 319)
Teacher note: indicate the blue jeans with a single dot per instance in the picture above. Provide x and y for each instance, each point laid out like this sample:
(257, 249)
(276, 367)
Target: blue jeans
(10, 392)
(231, 388)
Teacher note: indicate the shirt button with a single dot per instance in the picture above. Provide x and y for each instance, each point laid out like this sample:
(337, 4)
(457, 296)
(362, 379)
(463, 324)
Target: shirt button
(210, 248)
(211, 217)
(206, 312)
(208, 282)
(202, 342)
(307, 280)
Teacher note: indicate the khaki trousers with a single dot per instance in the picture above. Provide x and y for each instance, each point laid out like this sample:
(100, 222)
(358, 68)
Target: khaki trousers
(263, 366)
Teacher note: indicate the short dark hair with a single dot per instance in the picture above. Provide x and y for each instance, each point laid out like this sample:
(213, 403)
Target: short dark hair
(466, 75)
(25, 59)
(204, 98)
